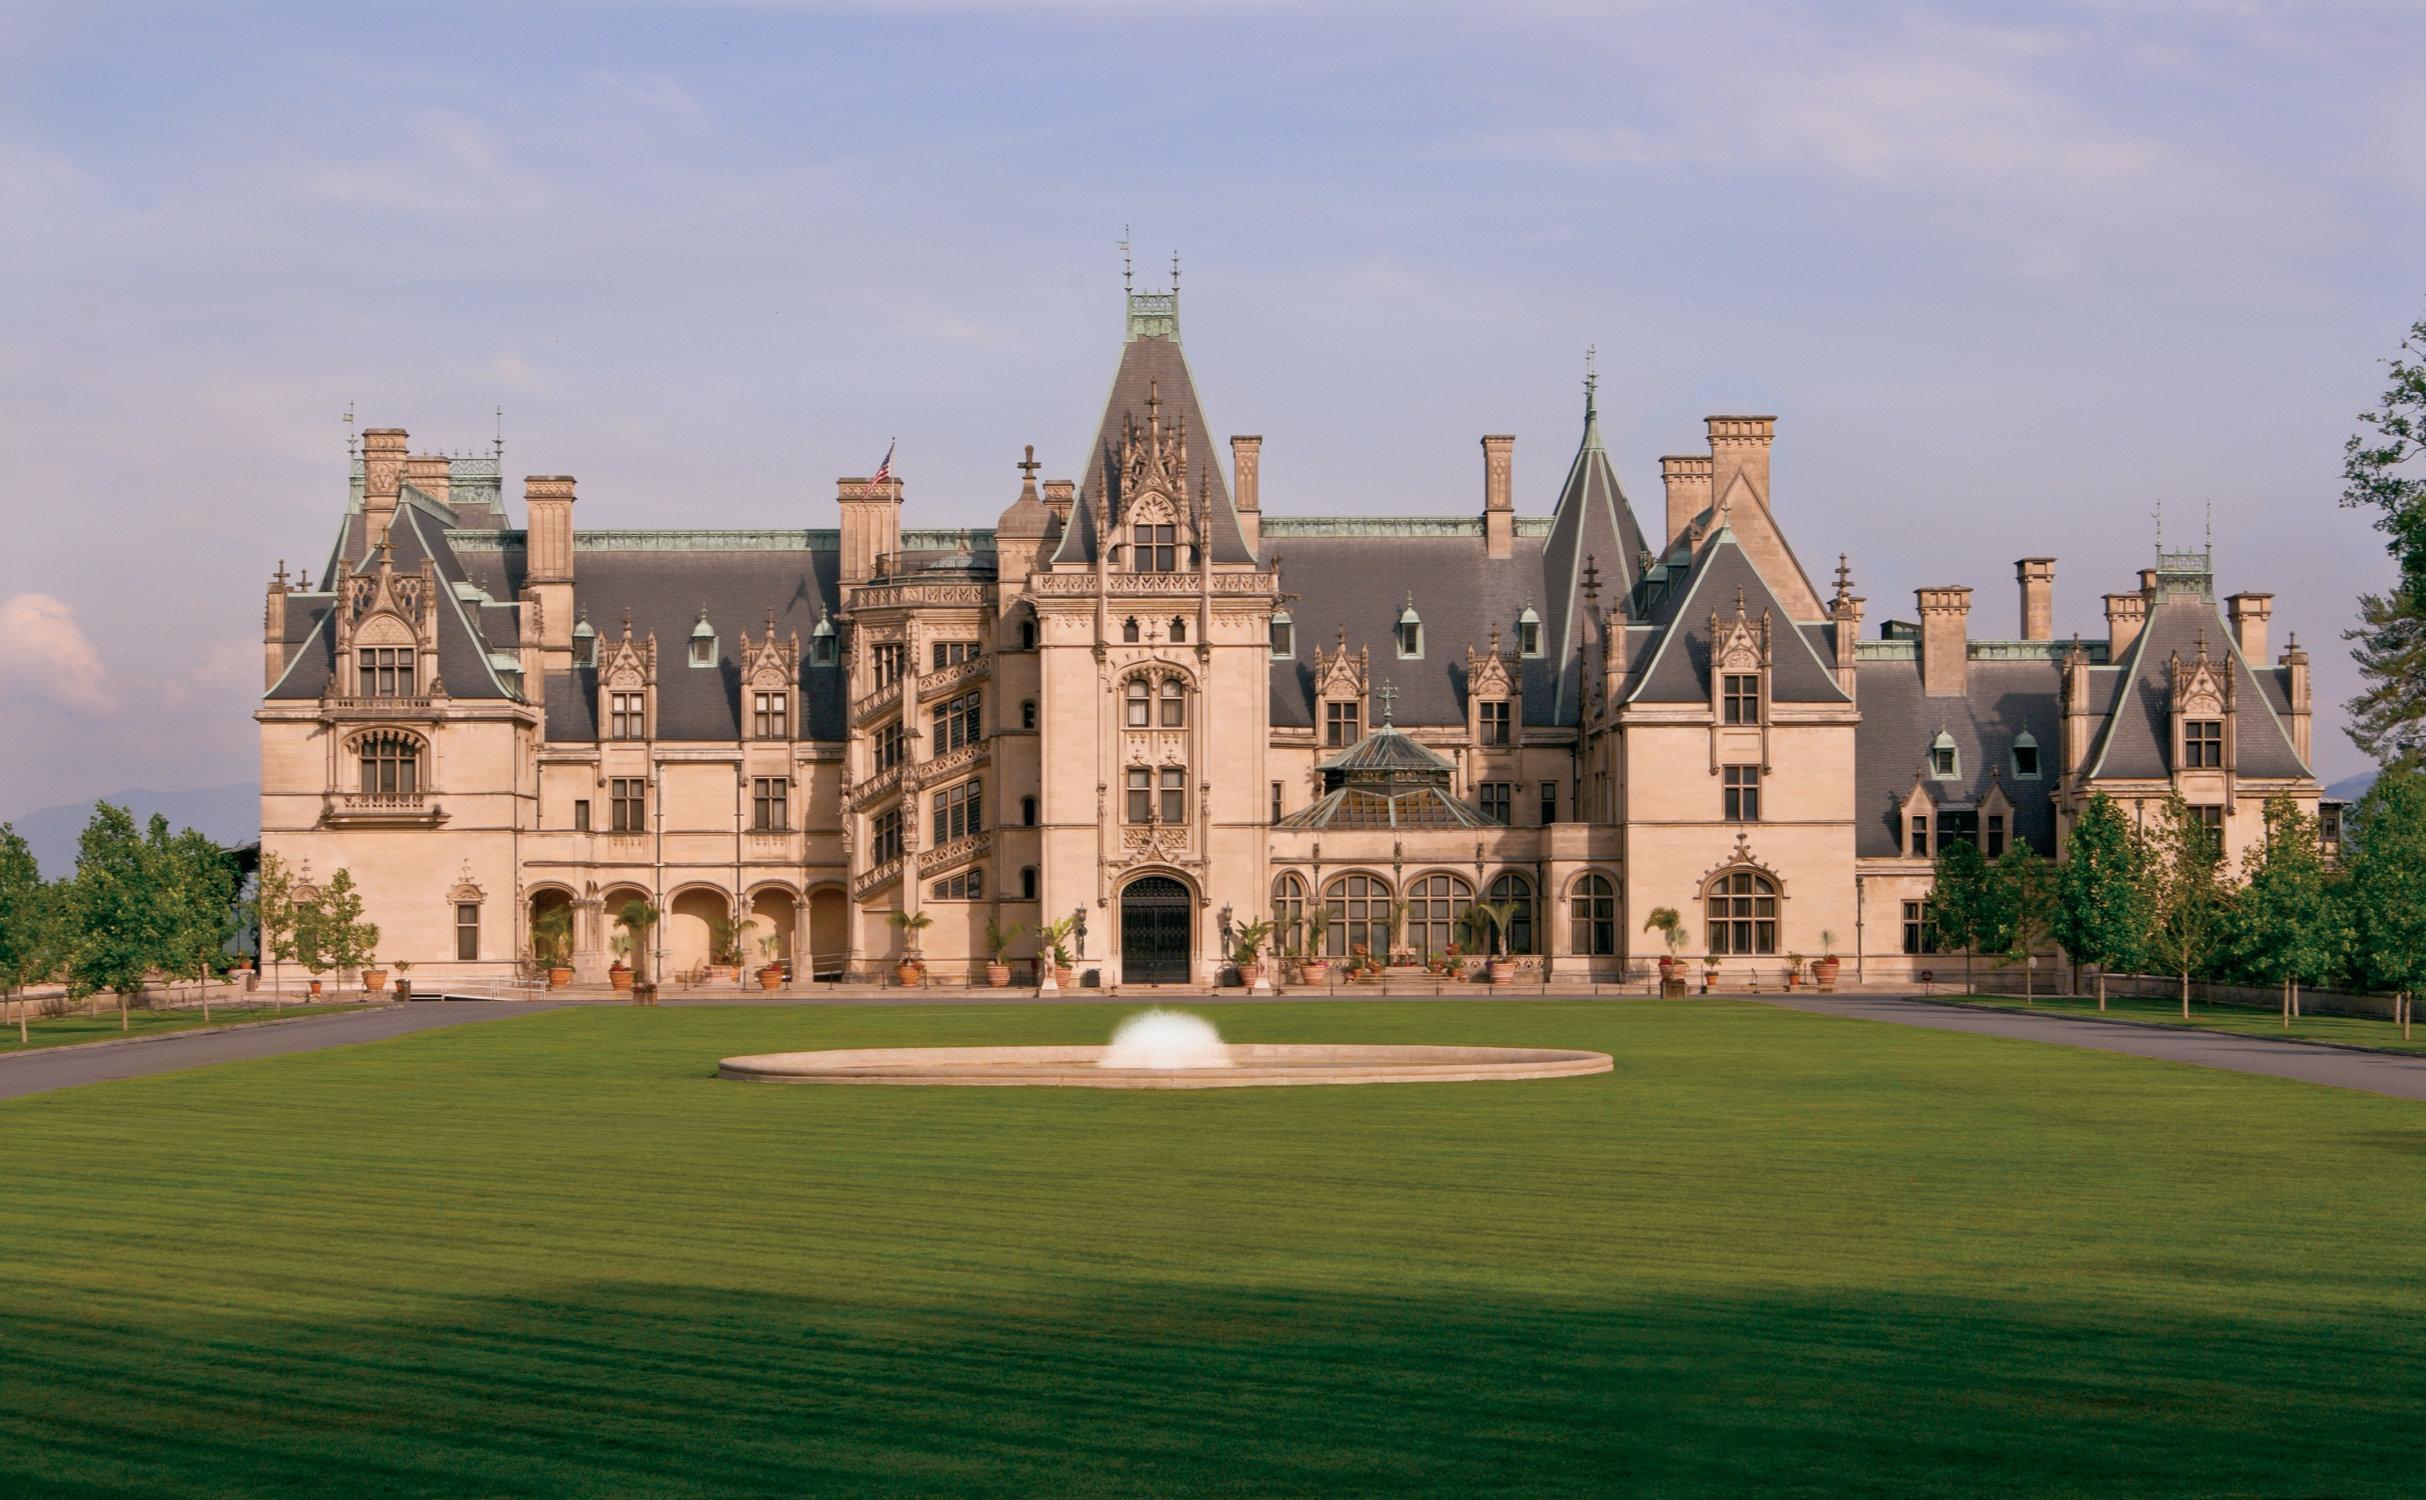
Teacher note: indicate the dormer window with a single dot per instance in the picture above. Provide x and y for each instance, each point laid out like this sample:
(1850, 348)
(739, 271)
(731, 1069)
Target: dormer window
(1528, 633)
(1740, 698)
(1284, 635)
(2025, 757)
(387, 671)
(1944, 762)
(2202, 744)
(703, 641)
(823, 649)
(585, 644)
(1410, 631)
(1153, 549)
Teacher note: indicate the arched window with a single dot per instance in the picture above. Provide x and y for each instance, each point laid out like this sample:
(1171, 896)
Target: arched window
(1179, 628)
(1139, 713)
(1742, 907)
(1436, 909)
(1288, 913)
(1027, 635)
(1027, 713)
(1174, 704)
(1360, 916)
(391, 764)
(1517, 892)
(1027, 883)
(1595, 915)
(1027, 811)
(1128, 630)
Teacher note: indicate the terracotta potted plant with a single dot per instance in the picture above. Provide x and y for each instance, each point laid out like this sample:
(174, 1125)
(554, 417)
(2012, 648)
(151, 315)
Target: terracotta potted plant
(1709, 971)
(619, 973)
(998, 952)
(1671, 929)
(1053, 943)
(1248, 953)
(551, 944)
(1794, 971)
(1492, 919)
(404, 986)
(636, 918)
(724, 951)
(910, 970)
(374, 979)
(1314, 966)
(770, 973)
(1823, 970)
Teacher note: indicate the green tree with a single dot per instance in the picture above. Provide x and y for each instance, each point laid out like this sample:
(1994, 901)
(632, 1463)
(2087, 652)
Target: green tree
(2025, 901)
(2184, 860)
(28, 921)
(2386, 837)
(2381, 472)
(117, 926)
(2101, 896)
(2287, 925)
(198, 881)
(330, 932)
(1963, 909)
(271, 911)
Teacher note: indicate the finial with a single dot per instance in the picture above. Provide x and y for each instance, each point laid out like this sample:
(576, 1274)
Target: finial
(1127, 272)
(1174, 273)
(1844, 576)
(1739, 598)
(280, 575)
(2159, 513)
(497, 447)
(1388, 696)
(303, 581)
(349, 430)
(1028, 465)
(1591, 378)
(1591, 577)
(1154, 402)
(2211, 526)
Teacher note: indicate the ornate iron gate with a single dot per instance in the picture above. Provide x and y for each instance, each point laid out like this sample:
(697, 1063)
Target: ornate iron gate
(1155, 922)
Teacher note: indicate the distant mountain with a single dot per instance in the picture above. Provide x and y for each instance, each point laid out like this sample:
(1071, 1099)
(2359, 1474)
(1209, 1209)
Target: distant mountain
(228, 814)
(2351, 788)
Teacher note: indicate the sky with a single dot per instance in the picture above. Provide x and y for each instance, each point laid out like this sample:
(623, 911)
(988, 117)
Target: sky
(2010, 278)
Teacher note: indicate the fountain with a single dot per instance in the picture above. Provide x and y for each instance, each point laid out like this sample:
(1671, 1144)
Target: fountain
(1165, 1049)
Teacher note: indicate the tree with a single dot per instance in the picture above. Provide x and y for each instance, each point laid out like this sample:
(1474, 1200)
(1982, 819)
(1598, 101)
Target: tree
(117, 927)
(2380, 472)
(2386, 837)
(2025, 897)
(2287, 926)
(2101, 899)
(271, 911)
(1963, 909)
(198, 898)
(329, 930)
(2184, 859)
(636, 918)
(27, 921)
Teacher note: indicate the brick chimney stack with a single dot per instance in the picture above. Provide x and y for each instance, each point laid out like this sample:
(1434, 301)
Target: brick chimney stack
(382, 479)
(2125, 614)
(2249, 614)
(1499, 490)
(2037, 578)
(1246, 486)
(431, 474)
(1687, 477)
(547, 501)
(1739, 452)
(871, 525)
(1945, 639)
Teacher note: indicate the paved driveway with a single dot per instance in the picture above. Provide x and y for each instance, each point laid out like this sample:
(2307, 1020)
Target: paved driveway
(65, 1067)
(2375, 1072)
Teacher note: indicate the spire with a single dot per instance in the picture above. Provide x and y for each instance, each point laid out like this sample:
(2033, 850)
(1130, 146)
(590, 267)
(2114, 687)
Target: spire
(1592, 442)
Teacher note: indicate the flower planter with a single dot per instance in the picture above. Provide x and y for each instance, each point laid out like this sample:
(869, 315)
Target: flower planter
(315, 986)
(559, 978)
(404, 989)
(374, 980)
(1064, 975)
(1824, 973)
(1667, 969)
(998, 976)
(1501, 972)
(620, 977)
(1250, 974)
(771, 977)
(723, 973)
(1316, 970)
(909, 976)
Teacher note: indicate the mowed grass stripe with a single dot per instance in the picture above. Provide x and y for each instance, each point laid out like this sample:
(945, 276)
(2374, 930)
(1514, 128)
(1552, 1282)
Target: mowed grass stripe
(1772, 1250)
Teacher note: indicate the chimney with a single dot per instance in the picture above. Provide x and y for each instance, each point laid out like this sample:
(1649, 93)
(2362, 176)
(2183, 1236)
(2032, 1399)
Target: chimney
(273, 630)
(2249, 614)
(2037, 578)
(1246, 487)
(2148, 584)
(871, 526)
(428, 473)
(382, 478)
(1739, 460)
(1499, 513)
(1846, 610)
(2125, 614)
(547, 549)
(1687, 476)
(1945, 639)
(2295, 666)
(1060, 496)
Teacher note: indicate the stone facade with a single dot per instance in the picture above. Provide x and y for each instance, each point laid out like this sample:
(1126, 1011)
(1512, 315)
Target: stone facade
(1142, 701)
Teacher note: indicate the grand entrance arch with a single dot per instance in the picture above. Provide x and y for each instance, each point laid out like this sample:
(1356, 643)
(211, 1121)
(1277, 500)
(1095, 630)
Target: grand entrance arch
(1157, 928)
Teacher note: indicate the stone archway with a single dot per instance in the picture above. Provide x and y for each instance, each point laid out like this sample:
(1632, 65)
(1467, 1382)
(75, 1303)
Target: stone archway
(774, 913)
(829, 932)
(690, 923)
(1157, 931)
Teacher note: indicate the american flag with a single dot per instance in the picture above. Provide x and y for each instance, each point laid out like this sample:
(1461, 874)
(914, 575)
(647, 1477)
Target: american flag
(884, 471)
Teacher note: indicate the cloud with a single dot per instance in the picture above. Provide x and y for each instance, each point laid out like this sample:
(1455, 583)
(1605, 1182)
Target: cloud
(42, 649)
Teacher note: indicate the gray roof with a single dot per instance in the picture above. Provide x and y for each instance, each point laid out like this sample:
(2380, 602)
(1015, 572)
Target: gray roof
(1676, 669)
(468, 630)
(1388, 751)
(1593, 522)
(2137, 739)
(2001, 701)
(1150, 364)
(1357, 581)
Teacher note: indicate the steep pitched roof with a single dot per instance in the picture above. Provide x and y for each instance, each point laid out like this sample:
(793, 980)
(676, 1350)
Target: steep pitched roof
(1676, 668)
(2001, 702)
(474, 632)
(2136, 740)
(1594, 521)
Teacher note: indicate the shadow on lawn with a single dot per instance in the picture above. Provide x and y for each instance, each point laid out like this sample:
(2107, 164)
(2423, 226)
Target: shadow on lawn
(1152, 1388)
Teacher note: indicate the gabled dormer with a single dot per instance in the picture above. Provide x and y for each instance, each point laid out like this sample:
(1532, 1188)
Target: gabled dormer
(770, 674)
(1495, 709)
(627, 687)
(1341, 684)
(386, 625)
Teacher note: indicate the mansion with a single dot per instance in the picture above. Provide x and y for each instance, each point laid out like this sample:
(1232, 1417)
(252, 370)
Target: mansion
(1142, 702)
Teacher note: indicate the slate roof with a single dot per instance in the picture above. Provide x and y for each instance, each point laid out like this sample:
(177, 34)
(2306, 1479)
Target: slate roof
(1388, 751)
(468, 630)
(1676, 667)
(1594, 521)
(2137, 738)
(1151, 364)
(2001, 701)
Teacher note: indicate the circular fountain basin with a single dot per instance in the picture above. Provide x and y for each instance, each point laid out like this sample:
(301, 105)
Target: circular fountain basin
(1251, 1065)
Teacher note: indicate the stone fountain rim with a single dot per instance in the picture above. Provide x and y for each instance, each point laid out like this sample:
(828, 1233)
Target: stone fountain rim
(1253, 1064)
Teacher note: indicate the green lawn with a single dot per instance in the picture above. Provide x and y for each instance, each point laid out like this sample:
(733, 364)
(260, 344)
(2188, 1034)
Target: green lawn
(76, 1026)
(2349, 1031)
(1773, 1251)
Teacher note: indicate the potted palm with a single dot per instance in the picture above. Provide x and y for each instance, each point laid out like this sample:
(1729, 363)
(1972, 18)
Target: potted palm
(1709, 971)
(724, 950)
(770, 973)
(1671, 929)
(1823, 970)
(1493, 919)
(1794, 971)
(552, 943)
(1315, 967)
(1053, 943)
(374, 978)
(909, 969)
(404, 986)
(1400, 955)
(619, 972)
(998, 951)
(636, 918)
(1249, 952)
